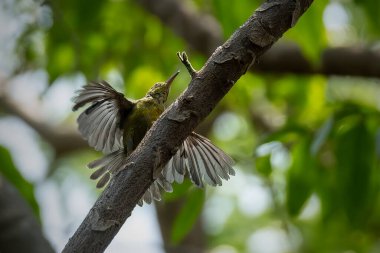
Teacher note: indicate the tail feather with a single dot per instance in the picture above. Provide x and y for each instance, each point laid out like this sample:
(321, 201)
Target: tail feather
(211, 175)
(191, 164)
(147, 197)
(171, 174)
(103, 180)
(202, 160)
(164, 184)
(98, 173)
(216, 158)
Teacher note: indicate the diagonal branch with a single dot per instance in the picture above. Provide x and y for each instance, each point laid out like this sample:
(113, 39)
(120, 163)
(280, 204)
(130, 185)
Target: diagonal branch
(227, 64)
(62, 139)
(203, 33)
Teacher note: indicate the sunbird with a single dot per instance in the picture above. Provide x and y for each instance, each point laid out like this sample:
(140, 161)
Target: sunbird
(115, 125)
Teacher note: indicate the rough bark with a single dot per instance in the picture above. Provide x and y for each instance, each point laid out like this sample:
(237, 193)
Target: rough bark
(19, 229)
(206, 89)
(203, 33)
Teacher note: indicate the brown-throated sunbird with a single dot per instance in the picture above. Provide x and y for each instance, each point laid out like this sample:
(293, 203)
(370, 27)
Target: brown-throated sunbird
(116, 125)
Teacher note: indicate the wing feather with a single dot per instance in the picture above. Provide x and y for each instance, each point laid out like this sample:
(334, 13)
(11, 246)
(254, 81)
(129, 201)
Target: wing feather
(100, 123)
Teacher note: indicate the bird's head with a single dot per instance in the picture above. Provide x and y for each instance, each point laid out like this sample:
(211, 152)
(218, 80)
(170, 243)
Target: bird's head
(160, 91)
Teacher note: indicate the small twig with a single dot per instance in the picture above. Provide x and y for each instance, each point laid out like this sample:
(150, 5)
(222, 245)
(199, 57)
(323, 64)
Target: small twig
(185, 61)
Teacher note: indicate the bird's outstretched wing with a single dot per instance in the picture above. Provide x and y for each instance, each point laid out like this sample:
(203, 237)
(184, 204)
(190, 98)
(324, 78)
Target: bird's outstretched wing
(100, 123)
(202, 160)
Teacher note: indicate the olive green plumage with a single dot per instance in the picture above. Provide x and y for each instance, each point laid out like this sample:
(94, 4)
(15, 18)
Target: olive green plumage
(116, 125)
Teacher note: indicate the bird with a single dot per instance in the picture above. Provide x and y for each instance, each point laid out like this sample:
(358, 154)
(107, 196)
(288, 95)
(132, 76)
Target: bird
(115, 125)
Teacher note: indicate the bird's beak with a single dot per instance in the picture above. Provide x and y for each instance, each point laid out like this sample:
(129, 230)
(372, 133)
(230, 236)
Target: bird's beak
(171, 79)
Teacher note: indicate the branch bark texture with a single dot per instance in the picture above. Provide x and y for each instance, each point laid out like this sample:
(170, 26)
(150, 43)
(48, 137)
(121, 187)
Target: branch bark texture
(206, 89)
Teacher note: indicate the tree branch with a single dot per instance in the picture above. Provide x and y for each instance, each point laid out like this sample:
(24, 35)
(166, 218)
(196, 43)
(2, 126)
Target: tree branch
(62, 139)
(343, 61)
(204, 36)
(213, 81)
(19, 229)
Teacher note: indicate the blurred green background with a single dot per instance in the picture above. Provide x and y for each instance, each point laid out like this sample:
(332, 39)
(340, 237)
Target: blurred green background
(303, 126)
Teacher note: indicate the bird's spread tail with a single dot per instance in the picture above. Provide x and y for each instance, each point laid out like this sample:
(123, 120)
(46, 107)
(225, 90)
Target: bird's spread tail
(202, 160)
(197, 156)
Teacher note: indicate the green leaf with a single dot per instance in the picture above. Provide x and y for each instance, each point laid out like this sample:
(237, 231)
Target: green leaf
(371, 9)
(188, 215)
(231, 16)
(11, 173)
(263, 165)
(179, 190)
(321, 135)
(309, 32)
(355, 153)
(300, 177)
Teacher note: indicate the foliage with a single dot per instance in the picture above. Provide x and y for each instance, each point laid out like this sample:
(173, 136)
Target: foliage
(322, 132)
(188, 215)
(11, 173)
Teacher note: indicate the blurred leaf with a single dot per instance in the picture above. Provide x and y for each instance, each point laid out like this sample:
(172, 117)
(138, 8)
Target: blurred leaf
(287, 134)
(10, 172)
(300, 177)
(231, 16)
(321, 135)
(290, 88)
(99, 36)
(240, 97)
(140, 80)
(314, 109)
(354, 150)
(63, 57)
(188, 215)
(377, 143)
(263, 165)
(309, 31)
(179, 190)
(371, 8)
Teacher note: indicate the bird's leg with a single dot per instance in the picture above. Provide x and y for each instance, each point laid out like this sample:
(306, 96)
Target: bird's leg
(185, 61)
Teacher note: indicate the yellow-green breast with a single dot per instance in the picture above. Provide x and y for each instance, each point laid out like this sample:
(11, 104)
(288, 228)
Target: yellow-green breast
(138, 122)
